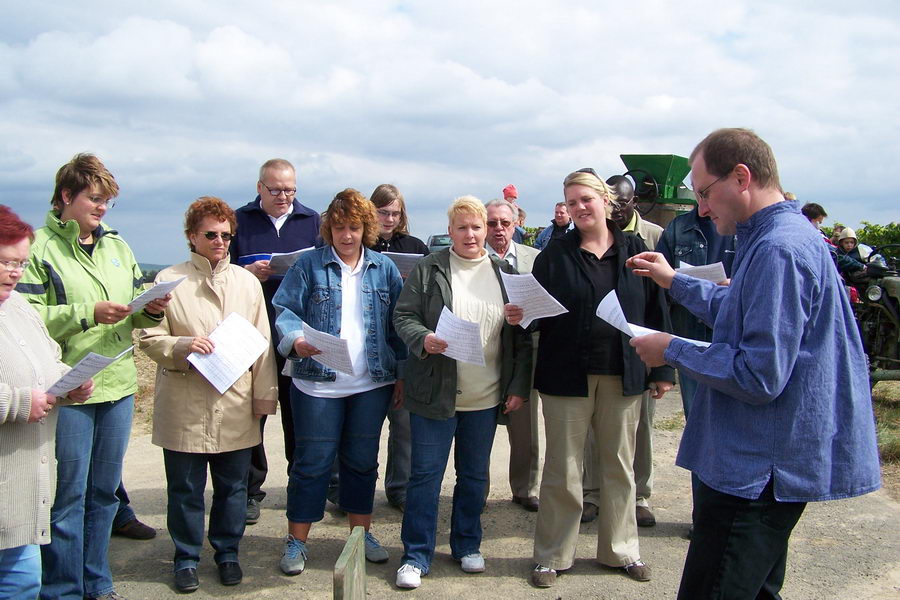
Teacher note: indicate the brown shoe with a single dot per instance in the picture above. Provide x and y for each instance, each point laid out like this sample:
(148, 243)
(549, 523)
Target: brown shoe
(645, 518)
(636, 570)
(589, 512)
(543, 577)
(135, 530)
(529, 503)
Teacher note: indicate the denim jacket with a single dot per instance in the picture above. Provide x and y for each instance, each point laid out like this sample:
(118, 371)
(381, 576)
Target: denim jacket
(311, 293)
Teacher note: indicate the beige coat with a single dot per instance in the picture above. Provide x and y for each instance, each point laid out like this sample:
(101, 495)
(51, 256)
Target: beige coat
(189, 414)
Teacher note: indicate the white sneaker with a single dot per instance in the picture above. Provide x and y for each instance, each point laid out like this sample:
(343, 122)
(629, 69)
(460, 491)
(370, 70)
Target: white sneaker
(409, 576)
(472, 563)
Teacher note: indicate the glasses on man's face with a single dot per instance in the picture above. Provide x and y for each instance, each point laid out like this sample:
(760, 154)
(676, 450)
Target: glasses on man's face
(504, 223)
(277, 192)
(15, 265)
(211, 235)
(98, 201)
(704, 193)
(392, 214)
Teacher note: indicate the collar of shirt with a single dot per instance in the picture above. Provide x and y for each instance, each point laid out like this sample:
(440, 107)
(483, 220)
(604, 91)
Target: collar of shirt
(279, 221)
(632, 225)
(510, 255)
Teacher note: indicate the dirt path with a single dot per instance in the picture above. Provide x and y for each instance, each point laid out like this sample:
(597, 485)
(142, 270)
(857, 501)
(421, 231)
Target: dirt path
(845, 549)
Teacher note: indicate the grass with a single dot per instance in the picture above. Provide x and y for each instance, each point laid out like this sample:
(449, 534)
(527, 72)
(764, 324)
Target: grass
(672, 423)
(886, 401)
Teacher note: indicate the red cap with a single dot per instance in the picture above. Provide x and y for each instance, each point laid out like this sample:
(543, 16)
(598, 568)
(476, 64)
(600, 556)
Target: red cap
(510, 192)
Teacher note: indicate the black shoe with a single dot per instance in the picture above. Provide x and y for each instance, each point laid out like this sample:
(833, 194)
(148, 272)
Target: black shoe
(529, 503)
(186, 580)
(135, 530)
(644, 516)
(589, 512)
(252, 511)
(230, 573)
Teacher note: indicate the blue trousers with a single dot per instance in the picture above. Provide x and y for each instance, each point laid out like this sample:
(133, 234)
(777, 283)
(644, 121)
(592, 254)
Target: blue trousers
(20, 572)
(186, 482)
(90, 444)
(431, 439)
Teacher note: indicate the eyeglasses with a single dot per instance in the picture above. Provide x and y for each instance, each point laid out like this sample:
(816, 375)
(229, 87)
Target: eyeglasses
(277, 192)
(98, 201)
(211, 235)
(704, 193)
(394, 214)
(14, 265)
(504, 223)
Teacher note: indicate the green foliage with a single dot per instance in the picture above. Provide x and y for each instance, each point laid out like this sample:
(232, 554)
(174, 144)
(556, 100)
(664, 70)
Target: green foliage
(531, 234)
(878, 235)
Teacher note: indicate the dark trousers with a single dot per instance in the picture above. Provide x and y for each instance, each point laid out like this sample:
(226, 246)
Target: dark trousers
(259, 465)
(186, 481)
(738, 547)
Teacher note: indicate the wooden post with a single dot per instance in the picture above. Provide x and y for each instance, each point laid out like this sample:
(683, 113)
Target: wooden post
(350, 568)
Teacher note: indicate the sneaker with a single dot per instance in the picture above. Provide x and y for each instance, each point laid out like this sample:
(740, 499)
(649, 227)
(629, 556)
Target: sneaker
(543, 577)
(293, 559)
(252, 511)
(636, 570)
(375, 552)
(135, 530)
(472, 563)
(409, 576)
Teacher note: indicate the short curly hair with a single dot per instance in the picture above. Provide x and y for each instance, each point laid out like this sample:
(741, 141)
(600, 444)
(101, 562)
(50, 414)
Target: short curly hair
(207, 206)
(350, 206)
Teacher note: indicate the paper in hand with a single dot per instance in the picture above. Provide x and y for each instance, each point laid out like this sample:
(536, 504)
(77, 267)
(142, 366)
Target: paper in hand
(237, 346)
(335, 352)
(157, 291)
(525, 292)
(281, 262)
(714, 272)
(86, 368)
(463, 338)
(610, 311)
(405, 262)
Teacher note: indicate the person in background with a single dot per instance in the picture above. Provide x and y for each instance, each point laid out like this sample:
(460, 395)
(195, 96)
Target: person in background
(511, 195)
(80, 279)
(393, 236)
(30, 362)
(814, 213)
(450, 400)
(345, 290)
(591, 379)
(783, 412)
(522, 429)
(196, 426)
(275, 221)
(559, 226)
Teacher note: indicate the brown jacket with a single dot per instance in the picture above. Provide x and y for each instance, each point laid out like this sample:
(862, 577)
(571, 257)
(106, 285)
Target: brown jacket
(189, 414)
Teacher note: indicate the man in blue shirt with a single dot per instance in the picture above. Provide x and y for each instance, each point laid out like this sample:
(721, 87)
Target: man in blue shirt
(783, 413)
(274, 222)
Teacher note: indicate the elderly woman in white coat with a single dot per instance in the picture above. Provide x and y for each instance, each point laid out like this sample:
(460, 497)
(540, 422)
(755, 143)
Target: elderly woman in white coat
(195, 424)
(30, 362)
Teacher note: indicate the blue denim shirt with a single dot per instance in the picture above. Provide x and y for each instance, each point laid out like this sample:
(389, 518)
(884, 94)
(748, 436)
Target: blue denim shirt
(694, 240)
(311, 293)
(784, 388)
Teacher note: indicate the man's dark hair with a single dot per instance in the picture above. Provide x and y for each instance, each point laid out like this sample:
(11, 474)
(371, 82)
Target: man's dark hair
(813, 211)
(724, 149)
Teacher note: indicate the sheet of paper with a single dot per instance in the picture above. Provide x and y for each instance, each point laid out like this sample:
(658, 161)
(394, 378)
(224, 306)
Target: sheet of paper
(335, 351)
(714, 272)
(281, 262)
(86, 368)
(610, 311)
(157, 291)
(237, 346)
(525, 292)
(404, 262)
(463, 338)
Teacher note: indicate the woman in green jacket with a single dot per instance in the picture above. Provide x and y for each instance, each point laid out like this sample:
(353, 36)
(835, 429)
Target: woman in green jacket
(81, 277)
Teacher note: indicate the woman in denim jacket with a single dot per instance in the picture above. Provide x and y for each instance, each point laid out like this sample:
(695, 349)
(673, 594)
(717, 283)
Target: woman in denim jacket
(345, 290)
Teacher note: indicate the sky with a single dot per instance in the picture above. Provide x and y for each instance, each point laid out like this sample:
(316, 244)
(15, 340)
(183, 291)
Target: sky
(184, 99)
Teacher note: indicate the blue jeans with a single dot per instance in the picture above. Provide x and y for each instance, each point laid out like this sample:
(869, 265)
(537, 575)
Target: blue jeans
(186, 482)
(396, 472)
(348, 428)
(90, 445)
(20, 572)
(431, 439)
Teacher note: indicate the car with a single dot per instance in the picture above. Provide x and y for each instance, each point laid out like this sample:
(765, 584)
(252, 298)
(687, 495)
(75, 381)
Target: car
(438, 241)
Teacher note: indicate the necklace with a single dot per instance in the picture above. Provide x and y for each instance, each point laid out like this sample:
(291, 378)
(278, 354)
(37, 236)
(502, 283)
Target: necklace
(85, 239)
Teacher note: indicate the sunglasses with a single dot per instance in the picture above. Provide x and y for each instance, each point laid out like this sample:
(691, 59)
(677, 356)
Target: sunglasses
(504, 223)
(211, 235)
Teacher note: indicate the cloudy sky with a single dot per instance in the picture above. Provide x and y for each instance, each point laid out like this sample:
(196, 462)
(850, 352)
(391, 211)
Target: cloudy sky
(182, 99)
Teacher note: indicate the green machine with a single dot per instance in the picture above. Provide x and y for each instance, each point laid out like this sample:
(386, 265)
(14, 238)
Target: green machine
(659, 185)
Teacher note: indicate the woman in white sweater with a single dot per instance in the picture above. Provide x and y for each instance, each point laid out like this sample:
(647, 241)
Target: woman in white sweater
(30, 362)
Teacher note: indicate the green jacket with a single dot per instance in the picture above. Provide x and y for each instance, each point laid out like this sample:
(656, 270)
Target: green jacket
(63, 283)
(430, 380)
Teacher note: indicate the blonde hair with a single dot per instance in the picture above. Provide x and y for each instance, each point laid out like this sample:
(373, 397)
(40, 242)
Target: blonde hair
(594, 182)
(467, 204)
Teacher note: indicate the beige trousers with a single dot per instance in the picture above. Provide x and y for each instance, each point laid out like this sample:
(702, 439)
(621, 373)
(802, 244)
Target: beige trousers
(613, 419)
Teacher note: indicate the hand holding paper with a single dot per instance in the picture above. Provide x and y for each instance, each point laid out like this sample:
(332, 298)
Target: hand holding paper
(610, 311)
(714, 272)
(236, 346)
(334, 352)
(463, 338)
(525, 292)
(160, 290)
(82, 372)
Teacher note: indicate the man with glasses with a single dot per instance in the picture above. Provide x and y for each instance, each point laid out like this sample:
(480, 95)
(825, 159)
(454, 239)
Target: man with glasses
(783, 413)
(524, 448)
(275, 222)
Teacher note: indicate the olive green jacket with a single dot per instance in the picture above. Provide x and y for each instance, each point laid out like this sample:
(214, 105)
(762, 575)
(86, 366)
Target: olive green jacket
(430, 380)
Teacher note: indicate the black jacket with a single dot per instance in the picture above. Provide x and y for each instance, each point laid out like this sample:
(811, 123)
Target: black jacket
(400, 242)
(561, 368)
